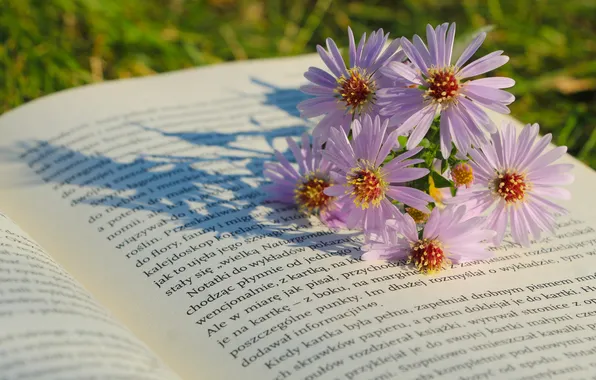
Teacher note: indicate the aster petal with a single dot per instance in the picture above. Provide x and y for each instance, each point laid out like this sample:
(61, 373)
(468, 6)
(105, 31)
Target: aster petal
(548, 204)
(335, 53)
(542, 218)
(313, 89)
(552, 179)
(476, 129)
(335, 190)
(451, 216)
(420, 131)
(509, 145)
(330, 62)
(431, 229)
(519, 228)
(359, 50)
(524, 143)
(393, 253)
(483, 65)
(462, 233)
(340, 161)
(440, 34)
(413, 54)
(482, 203)
(282, 176)
(449, 44)
(536, 150)
(422, 127)
(333, 218)
(409, 196)
(408, 124)
(553, 192)
(316, 106)
(355, 217)
(388, 145)
(490, 93)
(279, 193)
(360, 149)
(297, 152)
(547, 158)
(481, 162)
(534, 228)
(388, 211)
(444, 130)
(550, 171)
(405, 72)
(373, 47)
(390, 54)
(494, 82)
(400, 161)
(478, 114)
(497, 221)
(352, 48)
(486, 102)
(458, 131)
(378, 137)
(493, 158)
(400, 112)
(308, 153)
(403, 175)
(283, 161)
(337, 118)
(470, 50)
(408, 227)
(433, 49)
(343, 144)
(470, 252)
(500, 147)
(392, 166)
(278, 180)
(422, 49)
(320, 77)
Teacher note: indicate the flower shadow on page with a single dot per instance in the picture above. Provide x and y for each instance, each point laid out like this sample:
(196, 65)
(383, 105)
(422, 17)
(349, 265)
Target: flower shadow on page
(184, 191)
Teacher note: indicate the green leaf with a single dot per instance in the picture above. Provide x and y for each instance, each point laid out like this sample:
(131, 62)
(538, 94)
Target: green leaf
(403, 140)
(440, 181)
(444, 164)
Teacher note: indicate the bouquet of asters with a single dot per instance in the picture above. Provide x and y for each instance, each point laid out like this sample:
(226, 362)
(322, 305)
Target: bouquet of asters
(405, 152)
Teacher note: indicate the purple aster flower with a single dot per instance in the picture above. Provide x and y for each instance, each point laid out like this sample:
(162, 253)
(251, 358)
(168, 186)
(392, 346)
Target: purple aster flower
(448, 237)
(516, 176)
(364, 184)
(435, 84)
(348, 92)
(305, 187)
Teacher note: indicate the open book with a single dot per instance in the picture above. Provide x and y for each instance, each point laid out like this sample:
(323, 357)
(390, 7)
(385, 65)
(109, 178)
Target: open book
(138, 244)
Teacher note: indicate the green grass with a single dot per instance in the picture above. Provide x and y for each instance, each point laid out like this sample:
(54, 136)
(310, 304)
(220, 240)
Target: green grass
(47, 46)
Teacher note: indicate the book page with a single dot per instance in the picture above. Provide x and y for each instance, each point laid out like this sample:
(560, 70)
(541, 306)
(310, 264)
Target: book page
(149, 192)
(51, 328)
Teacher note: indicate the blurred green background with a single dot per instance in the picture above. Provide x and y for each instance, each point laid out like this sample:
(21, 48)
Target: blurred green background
(50, 45)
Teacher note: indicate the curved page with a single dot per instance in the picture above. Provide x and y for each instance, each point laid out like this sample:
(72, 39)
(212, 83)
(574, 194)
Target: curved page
(149, 192)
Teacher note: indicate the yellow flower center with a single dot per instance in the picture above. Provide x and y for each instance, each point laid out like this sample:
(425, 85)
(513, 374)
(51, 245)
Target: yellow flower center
(443, 86)
(367, 185)
(417, 215)
(357, 90)
(428, 257)
(309, 193)
(462, 175)
(510, 186)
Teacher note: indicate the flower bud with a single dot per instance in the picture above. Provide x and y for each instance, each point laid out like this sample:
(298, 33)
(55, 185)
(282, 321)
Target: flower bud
(462, 175)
